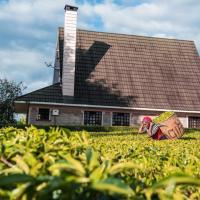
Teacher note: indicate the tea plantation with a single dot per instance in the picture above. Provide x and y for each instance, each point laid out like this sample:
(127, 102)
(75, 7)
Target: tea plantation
(61, 164)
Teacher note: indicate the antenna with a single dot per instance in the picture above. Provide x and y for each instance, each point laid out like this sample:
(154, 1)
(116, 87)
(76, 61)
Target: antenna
(49, 64)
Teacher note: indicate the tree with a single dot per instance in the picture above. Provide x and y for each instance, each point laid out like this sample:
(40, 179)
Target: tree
(9, 90)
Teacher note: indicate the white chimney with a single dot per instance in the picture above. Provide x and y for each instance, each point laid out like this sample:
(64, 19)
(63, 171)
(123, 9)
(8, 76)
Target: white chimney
(69, 54)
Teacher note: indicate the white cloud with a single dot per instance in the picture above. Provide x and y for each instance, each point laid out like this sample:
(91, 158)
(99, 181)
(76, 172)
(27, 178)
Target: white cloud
(25, 65)
(169, 18)
(29, 29)
(31, 11)
(36, 85)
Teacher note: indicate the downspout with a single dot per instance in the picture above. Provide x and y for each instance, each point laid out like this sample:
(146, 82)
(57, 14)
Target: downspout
(27, 112)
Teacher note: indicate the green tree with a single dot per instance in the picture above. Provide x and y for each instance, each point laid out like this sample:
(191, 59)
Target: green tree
(9, 90)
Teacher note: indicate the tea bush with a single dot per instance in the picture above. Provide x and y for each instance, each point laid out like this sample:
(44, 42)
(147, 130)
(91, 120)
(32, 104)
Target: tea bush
(163, 116)
(79, 128)
(63, 164)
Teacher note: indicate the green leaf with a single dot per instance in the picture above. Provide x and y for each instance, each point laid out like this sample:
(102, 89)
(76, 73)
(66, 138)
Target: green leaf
(19, 191)
(71, 165)
(97, 174)
(170, 183)
(177, 179)
(92, 159)
(30, 159)
(119, 167)
(4, 193)
(83, 137)
(76, 179)
(76, 164)
(101, 171)
(15, 178)
(113, 185)
(3, 148)
(35, 170)
(21, 164)
(12, 170)
(55, 183)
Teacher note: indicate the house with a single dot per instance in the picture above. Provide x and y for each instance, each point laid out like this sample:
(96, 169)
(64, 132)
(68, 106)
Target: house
(116, 79)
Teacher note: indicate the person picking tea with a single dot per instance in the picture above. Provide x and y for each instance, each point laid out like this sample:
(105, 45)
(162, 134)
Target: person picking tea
(152, 129)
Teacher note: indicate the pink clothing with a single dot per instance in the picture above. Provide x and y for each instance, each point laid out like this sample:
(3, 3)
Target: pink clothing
(153, 129)
(147, 119)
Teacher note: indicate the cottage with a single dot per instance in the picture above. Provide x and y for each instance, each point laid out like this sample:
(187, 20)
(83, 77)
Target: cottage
(115, 79)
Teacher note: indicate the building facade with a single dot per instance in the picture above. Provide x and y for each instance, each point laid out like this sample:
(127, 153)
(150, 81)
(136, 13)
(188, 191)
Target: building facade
(114, 79)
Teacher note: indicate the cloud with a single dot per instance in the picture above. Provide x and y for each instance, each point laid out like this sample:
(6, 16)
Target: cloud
(25, 65)
(28, 39)
(169, 18)
(33, 11)
(29, 29)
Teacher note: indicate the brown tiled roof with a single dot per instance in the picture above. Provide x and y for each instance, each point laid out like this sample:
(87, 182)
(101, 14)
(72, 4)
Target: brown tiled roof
(51, 93)
(135, 71)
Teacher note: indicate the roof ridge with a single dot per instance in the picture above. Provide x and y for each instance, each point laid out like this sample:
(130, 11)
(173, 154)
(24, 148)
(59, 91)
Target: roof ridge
(143, 36)
(126, 34)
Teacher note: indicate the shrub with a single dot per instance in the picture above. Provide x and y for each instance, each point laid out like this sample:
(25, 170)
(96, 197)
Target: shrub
(162, 117)
(61, 164)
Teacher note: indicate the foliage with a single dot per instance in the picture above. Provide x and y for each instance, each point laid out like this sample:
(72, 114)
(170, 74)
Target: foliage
(164, 116)
(9, 90)
(22, 120)
(61, 164)
(91, 129)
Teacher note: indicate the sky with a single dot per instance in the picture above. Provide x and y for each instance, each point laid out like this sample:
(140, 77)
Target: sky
(28, 29)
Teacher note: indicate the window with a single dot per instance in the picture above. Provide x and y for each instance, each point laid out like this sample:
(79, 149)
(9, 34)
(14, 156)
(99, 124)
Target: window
(43, 114)
(121, 119)
(92, 118)
(194, 122)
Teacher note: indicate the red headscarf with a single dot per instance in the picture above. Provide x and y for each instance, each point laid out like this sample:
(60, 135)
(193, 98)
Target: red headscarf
(147, 120)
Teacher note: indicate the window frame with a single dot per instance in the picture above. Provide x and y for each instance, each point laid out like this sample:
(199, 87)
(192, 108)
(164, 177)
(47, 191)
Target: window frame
(38, 113)
(189, 122)
(122, 113)
(92, 124)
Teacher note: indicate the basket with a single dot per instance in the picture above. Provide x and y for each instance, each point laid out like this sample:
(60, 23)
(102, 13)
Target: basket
(172, 127)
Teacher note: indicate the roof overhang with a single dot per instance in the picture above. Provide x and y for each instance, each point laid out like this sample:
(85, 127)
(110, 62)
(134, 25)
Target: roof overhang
(104, 107)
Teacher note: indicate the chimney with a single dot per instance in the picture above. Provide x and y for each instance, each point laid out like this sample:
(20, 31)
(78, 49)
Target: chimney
(69, 54)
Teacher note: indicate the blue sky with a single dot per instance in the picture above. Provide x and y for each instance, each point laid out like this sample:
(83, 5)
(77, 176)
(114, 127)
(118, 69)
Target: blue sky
(28, 29)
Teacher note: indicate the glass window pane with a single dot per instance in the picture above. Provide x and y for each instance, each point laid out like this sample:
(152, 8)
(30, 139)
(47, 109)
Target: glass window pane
(92, 118)
(194, 122)
(43, 114)
(121, 119)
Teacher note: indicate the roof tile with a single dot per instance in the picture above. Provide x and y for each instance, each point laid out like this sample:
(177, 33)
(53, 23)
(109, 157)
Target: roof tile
(130, 71)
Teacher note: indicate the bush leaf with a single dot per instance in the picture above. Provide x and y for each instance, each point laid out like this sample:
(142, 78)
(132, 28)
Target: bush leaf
(15, 178)
(113, 185)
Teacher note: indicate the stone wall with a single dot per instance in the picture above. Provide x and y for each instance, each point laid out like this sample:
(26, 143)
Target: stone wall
(67, 116)
(107, 118)
(75, 116)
